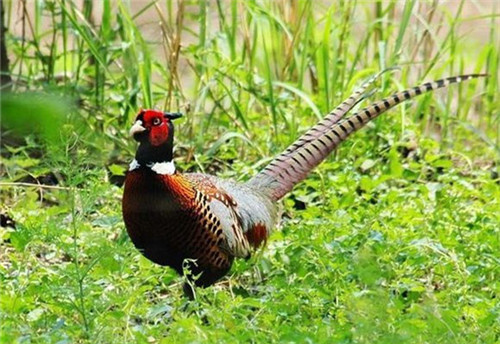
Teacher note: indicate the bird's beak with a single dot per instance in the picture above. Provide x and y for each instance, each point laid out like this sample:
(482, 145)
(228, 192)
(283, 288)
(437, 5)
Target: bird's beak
(137, 128)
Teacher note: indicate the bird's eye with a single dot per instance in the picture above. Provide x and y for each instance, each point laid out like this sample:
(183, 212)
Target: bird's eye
(156, 121)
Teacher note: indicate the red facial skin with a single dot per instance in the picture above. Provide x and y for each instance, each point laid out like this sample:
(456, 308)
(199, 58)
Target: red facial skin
(157, 125)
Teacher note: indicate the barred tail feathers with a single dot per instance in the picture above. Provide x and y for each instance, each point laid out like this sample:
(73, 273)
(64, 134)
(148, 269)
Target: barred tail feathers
(291, 167)
(335, 115)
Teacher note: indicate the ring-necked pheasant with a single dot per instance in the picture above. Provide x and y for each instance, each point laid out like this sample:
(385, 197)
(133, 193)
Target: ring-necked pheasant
(172, 216)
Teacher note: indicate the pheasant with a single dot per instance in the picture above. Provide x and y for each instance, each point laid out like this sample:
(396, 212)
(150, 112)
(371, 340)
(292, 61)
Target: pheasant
(206, 222)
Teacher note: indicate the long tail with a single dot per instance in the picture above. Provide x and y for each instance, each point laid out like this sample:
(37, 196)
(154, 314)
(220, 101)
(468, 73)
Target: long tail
(294, 164)
(335, 115)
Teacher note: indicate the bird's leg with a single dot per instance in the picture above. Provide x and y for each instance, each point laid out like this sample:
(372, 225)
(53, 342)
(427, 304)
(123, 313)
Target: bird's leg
(189, 291)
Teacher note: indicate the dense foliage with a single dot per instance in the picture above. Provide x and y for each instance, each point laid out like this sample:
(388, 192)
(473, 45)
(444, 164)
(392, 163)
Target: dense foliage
(395, 238)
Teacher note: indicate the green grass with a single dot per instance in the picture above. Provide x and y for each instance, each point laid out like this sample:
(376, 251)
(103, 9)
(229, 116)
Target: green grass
(394, 239)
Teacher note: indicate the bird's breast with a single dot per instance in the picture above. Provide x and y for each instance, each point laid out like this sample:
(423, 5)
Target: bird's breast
(156, 216)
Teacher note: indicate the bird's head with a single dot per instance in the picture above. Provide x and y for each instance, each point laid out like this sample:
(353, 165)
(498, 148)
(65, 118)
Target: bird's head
(154, 131)
(153, 127)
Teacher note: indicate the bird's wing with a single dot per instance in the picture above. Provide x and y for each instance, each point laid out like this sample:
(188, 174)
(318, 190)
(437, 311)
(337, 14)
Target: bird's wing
(219, 215)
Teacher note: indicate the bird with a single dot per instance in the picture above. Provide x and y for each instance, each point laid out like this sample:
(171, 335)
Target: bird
(199, 223)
